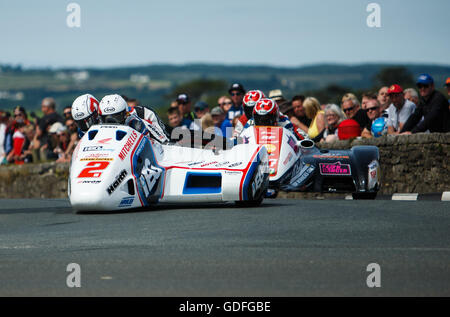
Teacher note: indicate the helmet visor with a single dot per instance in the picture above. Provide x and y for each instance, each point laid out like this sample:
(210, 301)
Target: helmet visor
(115, 118)
(86, 123)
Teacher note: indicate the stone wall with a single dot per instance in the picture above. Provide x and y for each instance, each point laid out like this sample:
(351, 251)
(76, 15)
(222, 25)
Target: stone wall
(46, 180)
(418, 163)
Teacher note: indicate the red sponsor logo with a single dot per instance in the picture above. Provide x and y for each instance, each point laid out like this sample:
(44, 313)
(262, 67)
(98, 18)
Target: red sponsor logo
(104, 141)
(128, 145)
(210, 163)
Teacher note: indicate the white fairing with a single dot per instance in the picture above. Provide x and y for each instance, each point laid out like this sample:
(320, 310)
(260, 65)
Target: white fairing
(281, 144)
(116, 167)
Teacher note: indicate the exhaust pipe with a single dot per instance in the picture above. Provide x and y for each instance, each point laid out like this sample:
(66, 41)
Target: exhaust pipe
(306, 146)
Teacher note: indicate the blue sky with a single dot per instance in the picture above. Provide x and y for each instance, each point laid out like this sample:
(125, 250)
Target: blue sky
(281, 32)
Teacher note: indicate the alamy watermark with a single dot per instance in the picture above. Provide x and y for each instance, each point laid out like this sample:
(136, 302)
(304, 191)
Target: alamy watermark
(74, 278)
(374, 18)
(73, 20)
(374, 278)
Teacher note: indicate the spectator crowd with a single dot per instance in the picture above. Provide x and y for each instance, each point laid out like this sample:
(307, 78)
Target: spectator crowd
(392, 110)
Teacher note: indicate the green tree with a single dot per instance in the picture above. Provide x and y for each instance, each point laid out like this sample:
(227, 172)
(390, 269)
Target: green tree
(200, 88)
(394, 75)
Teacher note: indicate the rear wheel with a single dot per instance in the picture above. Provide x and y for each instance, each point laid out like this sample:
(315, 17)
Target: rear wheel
(359, 196)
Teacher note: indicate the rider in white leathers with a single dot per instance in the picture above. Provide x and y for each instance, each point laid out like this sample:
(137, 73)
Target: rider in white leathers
(114, 109)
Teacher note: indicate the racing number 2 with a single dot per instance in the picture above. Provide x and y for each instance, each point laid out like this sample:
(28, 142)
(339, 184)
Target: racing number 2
(93, 169)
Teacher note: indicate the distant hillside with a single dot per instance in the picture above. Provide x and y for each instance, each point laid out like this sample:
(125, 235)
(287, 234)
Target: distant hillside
(151, 83)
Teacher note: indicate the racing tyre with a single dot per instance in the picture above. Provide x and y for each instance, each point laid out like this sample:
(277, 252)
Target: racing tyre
(249, 203)
(359, 196)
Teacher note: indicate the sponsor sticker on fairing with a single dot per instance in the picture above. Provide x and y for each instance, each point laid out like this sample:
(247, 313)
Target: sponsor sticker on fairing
(89, 182)
(293, 144)
(288, 158)
(195, 163)
(119, 178)
(207, 164)
(97, 159)
(128, 145)
(96, 148)
(222, 164)
(331, 156)
(373, 172)
(335, 169)
(126, 202)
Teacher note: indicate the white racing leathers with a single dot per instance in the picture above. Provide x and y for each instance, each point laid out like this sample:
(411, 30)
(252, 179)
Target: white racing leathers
(153, 123)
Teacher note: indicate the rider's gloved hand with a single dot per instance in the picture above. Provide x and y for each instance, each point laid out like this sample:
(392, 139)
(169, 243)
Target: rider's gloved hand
(136, 124)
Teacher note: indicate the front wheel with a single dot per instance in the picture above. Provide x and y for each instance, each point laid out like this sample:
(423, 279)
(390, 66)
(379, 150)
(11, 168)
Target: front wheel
(365, 196)
(249, 203)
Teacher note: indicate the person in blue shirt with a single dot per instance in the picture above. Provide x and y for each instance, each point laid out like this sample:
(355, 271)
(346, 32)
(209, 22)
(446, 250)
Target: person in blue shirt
(237, 93)
(223, 125)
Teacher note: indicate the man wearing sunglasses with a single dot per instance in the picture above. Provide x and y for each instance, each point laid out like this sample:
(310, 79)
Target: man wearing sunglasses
(351, 108)
(237, 93)
(399, 111)
(374, 111)
(432, 107)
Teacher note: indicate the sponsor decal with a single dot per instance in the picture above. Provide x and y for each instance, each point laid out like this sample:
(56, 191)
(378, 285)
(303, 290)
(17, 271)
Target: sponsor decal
(222, 164)
(104, 141)
(109, 109)
(246, 140)
(259, 179)
(288, 158)
(331, 156)
(271, 148)
(293, 144)
(195, 163)
(272, 138)
(235, 164)
(207, 164)
(96, 148)
(300, 176)
(79, 115)
(97, 159)
(128, 145)
(373, 174)
(232, 172)
(89, 182)
(109, 126)
(94, 155)
(93, 148)
(126, 202)
(335, 169)
(119, 178)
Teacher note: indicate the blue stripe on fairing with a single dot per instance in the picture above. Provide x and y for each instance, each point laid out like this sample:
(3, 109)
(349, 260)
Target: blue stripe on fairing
(201, 190)
(153, 161)
(248, 177)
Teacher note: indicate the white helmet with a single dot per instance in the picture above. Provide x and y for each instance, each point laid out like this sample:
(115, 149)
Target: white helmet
(85, 111)
(113, 109)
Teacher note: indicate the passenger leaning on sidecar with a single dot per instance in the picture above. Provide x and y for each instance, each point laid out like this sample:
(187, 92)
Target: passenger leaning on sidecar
(114, 109)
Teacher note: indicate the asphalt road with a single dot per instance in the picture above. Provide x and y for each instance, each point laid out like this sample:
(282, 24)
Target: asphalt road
(283, 248)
